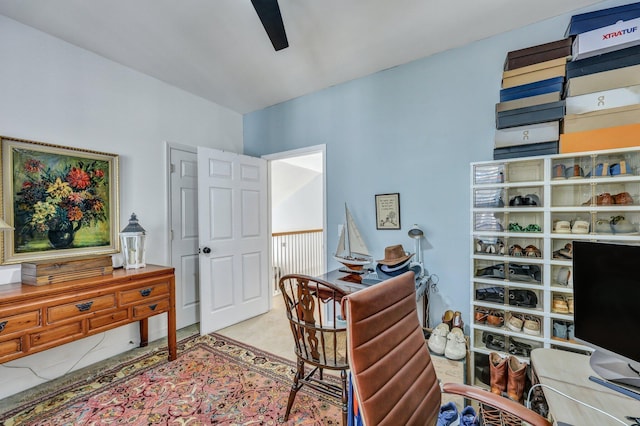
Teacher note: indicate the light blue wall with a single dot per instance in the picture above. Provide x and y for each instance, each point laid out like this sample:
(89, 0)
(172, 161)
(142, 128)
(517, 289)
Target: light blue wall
(411, 129)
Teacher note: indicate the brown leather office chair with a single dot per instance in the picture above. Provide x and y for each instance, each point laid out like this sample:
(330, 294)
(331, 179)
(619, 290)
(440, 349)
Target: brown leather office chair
(392, 372)
(320, 340)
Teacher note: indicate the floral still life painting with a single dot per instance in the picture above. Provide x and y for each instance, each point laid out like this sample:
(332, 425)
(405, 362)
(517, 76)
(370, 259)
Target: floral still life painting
(61, 200)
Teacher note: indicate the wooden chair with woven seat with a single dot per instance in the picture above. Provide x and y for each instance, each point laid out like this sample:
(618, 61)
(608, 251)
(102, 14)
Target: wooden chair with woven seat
(312, 307)
(392, 372)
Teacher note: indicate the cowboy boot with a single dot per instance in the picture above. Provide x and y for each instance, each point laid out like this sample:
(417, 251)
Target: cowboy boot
(516, 377)
(498, 370)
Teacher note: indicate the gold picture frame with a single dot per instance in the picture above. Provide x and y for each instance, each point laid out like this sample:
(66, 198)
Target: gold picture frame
(388, 211)
(61, 201)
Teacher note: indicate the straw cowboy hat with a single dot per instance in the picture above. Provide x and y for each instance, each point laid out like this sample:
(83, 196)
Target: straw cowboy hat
(394, 255)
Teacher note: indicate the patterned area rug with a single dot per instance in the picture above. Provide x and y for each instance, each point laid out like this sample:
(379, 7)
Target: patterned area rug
(215, 380)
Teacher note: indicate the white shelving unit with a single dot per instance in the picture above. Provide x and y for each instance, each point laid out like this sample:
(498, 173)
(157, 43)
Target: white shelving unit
(528, 203)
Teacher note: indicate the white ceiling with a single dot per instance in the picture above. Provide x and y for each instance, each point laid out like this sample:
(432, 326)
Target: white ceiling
(218, 49)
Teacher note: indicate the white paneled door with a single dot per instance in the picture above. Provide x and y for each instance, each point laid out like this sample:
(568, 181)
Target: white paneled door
(184, 239)
(234, 238)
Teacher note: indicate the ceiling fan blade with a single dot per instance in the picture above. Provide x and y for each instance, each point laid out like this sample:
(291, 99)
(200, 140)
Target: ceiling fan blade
(269, 13)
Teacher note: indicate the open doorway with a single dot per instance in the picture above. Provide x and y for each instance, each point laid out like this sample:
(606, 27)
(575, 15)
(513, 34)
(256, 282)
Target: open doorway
(297, 205)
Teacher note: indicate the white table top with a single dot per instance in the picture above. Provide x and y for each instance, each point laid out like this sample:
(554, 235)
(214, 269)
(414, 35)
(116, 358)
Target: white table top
(569, 373)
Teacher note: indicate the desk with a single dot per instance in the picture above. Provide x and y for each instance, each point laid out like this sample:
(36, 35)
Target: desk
(569, 373)
(350, 283)
(36, 318)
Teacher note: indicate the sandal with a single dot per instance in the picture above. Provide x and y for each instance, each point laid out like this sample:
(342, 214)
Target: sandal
(514, 227)
(493, 341)
(519, 348)
(533, 228)
(480, 315)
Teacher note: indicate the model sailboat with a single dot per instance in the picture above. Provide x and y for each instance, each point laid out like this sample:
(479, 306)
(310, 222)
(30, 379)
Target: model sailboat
(352, 252)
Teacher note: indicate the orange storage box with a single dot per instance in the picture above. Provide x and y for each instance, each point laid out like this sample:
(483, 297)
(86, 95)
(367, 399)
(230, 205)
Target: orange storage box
(599, 139)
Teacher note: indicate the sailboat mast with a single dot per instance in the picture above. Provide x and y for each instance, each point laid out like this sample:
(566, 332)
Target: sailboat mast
(347, 239)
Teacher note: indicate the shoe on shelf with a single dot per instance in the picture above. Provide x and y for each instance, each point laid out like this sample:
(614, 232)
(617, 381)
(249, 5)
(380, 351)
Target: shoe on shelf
(525, 298)
(531, 326)
(493, 341)
(456, 345)
(448, 415)
(519, 348)
(560, 305)
(562, 226)
(570, 332)
(580, 227)
(514, 323)
(491, 294)
(532, 251)
(495, 318)
(480, 315)
(623, 198)
(468, 417)
(438, 339)
(560, 330)
(564, 253)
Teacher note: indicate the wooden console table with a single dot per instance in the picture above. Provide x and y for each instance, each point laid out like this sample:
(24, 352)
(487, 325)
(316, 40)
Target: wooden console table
(36, 318)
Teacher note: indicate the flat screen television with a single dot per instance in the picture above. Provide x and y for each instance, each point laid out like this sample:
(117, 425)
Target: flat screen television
(606, 291)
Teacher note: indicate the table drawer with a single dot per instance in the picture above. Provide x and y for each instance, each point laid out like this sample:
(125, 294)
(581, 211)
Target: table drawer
(19, 322)
(108, 319)
(59, 335)
(141, 293)
(10, 347)
(79, 307)
(151, 308)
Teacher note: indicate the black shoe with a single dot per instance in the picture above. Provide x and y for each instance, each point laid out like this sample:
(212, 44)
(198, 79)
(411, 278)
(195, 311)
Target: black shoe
(524, 298)
(524, 272)
(494, 271)
(490, 294)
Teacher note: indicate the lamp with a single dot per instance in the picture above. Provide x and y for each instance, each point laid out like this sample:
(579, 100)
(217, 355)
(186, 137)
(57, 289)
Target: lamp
(132, 239)
(417, 234)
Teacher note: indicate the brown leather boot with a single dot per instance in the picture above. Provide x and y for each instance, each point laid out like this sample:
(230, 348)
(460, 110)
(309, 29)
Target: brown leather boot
(516, 377)
(498, 370)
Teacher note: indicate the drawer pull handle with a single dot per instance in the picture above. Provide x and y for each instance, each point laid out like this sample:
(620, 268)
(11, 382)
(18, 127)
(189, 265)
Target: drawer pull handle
(146, 292)
(2, 325)
(82, 307)
(153, 307)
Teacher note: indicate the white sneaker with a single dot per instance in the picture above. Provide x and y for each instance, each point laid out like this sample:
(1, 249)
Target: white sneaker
(456, 344)
(438, 339)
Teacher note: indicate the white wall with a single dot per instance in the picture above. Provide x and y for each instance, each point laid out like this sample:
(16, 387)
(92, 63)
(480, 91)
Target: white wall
(296, 198)
(54, 92)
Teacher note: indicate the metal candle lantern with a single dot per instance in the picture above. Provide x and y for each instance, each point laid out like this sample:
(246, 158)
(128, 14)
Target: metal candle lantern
(132, 239)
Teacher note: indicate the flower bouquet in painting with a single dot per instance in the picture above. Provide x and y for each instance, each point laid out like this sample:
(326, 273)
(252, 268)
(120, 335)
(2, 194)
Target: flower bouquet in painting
(60, 201)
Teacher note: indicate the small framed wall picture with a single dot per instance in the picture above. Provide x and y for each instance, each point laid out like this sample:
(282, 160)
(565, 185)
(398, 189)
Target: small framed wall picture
(388, 211)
